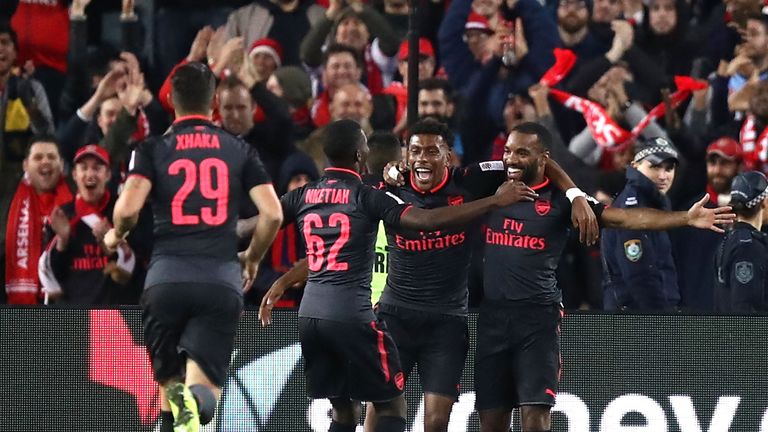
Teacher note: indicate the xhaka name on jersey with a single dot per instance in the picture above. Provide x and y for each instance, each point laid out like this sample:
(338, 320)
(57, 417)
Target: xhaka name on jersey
(512, 236)
(196, 141)
(429, 241)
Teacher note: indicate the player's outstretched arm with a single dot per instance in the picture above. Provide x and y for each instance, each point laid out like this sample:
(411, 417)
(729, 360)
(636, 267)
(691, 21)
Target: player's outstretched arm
(296, 276)
(655, 220)
(126, 212)
(507, 194)
(267, 225)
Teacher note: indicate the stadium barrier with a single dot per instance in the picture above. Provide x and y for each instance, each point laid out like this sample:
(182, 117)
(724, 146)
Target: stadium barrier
(86, 370)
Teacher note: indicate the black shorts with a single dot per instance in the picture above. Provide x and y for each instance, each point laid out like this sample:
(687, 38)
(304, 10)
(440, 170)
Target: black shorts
(351, 360)
(192, 320)
(437, 343)
(518, 355)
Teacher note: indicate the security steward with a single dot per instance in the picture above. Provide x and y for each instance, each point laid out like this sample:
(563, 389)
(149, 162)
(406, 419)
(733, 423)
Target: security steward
(638, 268)
(742, 258)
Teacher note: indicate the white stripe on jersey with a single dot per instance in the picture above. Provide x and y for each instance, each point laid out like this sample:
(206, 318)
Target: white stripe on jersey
(395, 197)
(132, 161)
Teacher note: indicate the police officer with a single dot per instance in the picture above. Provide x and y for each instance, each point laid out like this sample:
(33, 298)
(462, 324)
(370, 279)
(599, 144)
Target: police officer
(742, 258)
(638, 268)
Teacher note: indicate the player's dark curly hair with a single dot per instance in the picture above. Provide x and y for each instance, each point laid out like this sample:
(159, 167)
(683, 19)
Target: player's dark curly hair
(384, 148)
(341, 141)
(430, 126)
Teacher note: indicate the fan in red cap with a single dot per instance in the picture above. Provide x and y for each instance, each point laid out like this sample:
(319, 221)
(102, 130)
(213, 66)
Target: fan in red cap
(475, 21)
(724, 157)
(425, 49)
(477, 29)
(93, 150)
(725, 147)
(266, 55)
(399, 90)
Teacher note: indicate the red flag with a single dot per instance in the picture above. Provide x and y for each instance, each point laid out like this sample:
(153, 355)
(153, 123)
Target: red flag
(564, 61)
(606, 132)
(685, 86)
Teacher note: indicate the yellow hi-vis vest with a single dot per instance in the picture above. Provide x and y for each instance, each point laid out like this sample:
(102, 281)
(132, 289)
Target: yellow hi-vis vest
(380, 265)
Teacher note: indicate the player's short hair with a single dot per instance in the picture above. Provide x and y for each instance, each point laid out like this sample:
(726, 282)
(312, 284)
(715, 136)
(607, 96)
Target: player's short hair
(430, 126)
(384, 148)
(192, 88)
(543, 136)
(341, 141)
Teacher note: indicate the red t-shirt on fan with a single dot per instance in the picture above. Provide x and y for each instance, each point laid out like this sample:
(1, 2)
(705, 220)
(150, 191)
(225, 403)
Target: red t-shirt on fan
(42, 27)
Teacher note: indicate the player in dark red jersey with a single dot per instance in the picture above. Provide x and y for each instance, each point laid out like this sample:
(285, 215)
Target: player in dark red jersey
(518, 355)
(349, 355)
(197, 175)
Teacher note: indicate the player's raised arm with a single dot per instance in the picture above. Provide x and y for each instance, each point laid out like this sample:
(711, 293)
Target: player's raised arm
(655, 220)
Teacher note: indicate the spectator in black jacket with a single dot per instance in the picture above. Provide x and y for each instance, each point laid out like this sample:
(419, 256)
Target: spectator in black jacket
(664, 36)
(86, 68)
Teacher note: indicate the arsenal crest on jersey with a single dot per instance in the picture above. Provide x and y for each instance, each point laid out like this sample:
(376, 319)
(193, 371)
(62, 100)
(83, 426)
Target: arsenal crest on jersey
(455, 200)
(542, 207)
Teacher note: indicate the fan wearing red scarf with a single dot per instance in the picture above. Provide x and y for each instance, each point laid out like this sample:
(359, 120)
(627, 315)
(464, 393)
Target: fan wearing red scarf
(75, 268)
(39, 192)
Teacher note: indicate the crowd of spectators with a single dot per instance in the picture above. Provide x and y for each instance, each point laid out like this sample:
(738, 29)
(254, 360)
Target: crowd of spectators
(81, 82)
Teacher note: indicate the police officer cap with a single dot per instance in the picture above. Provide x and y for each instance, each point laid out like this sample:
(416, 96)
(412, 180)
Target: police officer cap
(749, 188)
(655, 150)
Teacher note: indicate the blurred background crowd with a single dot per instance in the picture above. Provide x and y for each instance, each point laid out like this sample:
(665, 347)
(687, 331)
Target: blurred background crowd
(81, 82)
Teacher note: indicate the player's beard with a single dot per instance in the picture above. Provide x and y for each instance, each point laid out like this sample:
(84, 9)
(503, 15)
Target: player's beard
(530, 173)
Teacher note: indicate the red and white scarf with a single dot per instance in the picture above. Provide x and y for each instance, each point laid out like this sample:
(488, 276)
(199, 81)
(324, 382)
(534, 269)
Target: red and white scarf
(605, 131)
(24, 238)
(754, 146)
